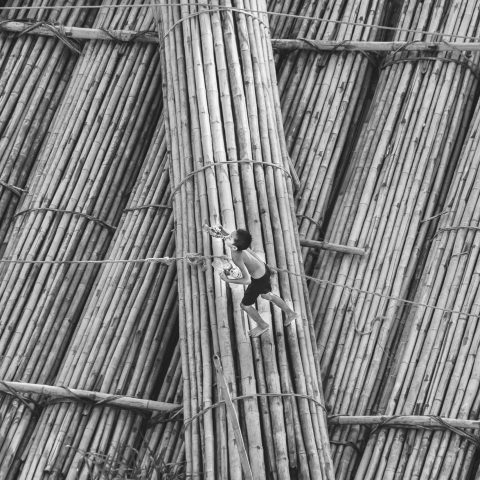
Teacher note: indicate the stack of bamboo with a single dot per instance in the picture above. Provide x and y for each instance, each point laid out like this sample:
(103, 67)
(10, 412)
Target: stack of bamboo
(96, 143)
(399, 170)
(322, 95)
(162, 450)
(33, 75)
(127, 353)
(229, 167)
(437, 369)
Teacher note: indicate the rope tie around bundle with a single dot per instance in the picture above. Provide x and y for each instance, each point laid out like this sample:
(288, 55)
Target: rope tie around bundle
(158, 206)
(340, 47)
(58, 394)
(427, 422)
(10, 390)
(463, 60)
(109, 227)
(14, 189)
(129, 37)
(55, 30)
(455, 228)
(255, 395)
(227, 162)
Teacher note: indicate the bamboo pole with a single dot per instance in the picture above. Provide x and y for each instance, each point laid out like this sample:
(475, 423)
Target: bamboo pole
(66, 393)
(41, 28)
(410, 421)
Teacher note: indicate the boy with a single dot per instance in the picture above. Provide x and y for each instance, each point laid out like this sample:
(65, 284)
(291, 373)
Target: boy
(256, 275)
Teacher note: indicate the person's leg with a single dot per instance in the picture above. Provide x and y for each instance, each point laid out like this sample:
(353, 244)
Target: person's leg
(257, 318)
(280, 303)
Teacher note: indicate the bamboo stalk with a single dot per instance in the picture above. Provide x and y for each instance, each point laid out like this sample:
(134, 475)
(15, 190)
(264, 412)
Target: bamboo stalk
(411, 421)
(72, 394)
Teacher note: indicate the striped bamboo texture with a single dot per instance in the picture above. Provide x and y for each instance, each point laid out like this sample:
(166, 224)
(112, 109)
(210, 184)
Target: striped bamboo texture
(128, 350)
(34, 72)
(221, 104)
(322, 95)
(399, 170)
(436, 369)
(96, 143)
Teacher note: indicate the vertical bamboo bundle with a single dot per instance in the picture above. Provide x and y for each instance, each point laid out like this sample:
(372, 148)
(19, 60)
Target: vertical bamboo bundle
(322, 95)
(229, 167)
(126, 353)
(400, 167)
(436, 370)
(94, 150)
(34, 72)
(163, 448)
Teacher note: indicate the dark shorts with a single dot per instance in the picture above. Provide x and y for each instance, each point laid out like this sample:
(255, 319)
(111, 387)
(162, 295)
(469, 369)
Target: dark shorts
(256, 288)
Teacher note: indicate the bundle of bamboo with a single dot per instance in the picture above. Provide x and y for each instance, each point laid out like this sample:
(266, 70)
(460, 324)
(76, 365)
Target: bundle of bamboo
(436, 371)
(33, 75)
(162, 450)
(229, 167)
(76, 194)
(401, 166)
(322, 95)
(126, 353)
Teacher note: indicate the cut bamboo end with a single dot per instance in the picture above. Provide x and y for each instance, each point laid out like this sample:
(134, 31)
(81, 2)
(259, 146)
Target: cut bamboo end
(332, 246)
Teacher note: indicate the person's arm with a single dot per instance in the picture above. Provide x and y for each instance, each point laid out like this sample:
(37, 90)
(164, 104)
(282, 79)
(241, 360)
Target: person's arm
(245, 279)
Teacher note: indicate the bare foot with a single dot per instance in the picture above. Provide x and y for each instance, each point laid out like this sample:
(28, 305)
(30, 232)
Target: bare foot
(257, 331)
(290, 318)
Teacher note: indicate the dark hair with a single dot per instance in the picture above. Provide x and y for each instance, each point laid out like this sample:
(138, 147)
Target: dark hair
(243, 240)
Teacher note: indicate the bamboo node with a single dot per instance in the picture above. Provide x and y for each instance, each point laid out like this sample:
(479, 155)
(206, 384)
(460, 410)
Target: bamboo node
(109, 227)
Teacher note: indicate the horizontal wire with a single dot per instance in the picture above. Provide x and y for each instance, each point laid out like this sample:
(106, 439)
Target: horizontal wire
(195, 259)
(221, 7)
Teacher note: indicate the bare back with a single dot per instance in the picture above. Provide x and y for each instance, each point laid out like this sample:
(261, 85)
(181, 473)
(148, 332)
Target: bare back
(256, 268)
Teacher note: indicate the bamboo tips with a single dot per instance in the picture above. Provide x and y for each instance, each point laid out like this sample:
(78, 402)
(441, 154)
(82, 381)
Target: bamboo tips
(229, 167)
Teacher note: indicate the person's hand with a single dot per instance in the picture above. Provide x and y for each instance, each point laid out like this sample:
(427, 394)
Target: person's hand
(224, 277)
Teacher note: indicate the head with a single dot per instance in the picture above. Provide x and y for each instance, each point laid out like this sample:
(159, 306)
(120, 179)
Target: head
(239, 240)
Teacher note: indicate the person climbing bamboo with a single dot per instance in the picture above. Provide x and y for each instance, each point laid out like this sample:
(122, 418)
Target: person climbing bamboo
(256, 275)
